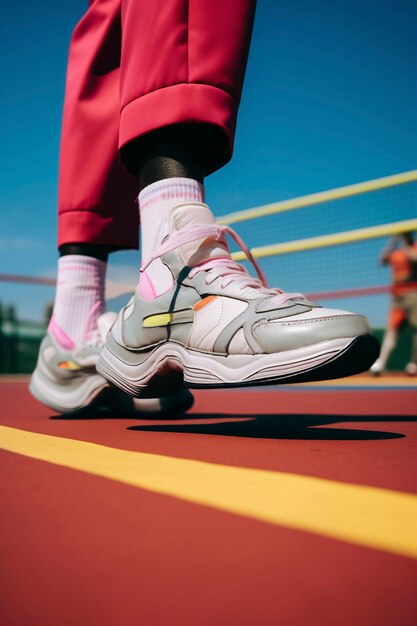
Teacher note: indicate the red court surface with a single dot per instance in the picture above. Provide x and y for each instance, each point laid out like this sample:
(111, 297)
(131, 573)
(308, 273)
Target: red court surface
(81, 549)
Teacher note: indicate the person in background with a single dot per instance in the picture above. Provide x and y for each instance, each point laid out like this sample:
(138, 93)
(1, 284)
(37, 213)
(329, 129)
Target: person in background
(401, 255)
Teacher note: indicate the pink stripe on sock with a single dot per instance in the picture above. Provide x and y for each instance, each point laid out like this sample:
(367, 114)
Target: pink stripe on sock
(62, 338)
(80, 268)
(172, 196)
(185, 189)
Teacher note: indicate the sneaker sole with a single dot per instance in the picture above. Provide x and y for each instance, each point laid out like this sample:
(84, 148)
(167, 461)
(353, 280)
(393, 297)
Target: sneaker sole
(68, 398)
(80, 399)
(336, 358)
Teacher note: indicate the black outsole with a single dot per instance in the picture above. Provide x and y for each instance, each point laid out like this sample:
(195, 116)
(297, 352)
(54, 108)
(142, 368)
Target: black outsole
(112, 401)
(356, 358)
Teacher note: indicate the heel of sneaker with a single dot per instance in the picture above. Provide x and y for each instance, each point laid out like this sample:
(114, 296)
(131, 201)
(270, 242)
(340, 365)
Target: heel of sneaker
(69, 397)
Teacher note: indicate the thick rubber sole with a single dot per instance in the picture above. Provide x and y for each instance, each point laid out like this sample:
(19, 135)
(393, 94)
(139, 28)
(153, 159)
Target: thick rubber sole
(115, 402)
(68, 398)
(94, 395)
(133, 371)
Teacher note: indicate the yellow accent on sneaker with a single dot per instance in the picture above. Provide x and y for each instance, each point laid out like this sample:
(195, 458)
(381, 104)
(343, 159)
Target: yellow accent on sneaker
(161, 319)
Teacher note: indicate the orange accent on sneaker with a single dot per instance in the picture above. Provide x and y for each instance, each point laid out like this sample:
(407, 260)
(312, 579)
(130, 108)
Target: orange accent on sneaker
(203, 302)
(68, 365)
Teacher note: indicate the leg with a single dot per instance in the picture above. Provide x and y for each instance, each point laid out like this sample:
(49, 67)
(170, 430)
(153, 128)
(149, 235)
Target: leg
(96, 204)
(96, 200)
(187, 68)
(97, 214)
(181, 83)
(397, 317)
(411, 367)
(388, 345)
(180, 91)
(195, 308)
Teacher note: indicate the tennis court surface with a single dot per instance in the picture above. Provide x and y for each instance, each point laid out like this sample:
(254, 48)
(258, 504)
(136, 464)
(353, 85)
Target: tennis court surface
(293, 505)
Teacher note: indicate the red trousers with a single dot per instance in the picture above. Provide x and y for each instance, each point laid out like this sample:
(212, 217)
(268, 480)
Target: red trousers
(136, 66)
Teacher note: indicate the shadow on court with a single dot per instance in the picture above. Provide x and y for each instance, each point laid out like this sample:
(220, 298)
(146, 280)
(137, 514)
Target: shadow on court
(278, 427)
(265, 426)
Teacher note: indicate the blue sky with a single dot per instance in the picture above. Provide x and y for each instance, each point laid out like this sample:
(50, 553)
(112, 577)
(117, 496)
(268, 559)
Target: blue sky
(330, 99)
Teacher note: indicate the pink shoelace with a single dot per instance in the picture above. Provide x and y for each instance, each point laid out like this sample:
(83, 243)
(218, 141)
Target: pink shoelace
(221, 267)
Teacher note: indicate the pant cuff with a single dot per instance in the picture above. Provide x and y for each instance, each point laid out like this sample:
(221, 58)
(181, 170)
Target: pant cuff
(179, 104)
(88, 226)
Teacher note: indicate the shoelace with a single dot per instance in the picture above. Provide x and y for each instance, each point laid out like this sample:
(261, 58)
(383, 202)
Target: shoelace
(221, 267)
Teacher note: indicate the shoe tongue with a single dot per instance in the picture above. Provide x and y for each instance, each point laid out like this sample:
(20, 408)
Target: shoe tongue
(186, 215)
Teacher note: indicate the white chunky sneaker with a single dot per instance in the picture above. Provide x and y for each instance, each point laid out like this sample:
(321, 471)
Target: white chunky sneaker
(377, 369)
(198, 311)
(411, 369)
(66, 380)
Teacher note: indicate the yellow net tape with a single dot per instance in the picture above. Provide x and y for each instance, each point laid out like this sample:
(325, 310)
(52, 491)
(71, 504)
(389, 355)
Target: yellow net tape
(334, 239)
(321, 197)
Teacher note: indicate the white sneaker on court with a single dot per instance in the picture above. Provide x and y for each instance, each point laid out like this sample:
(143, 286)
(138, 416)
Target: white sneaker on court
(198, 311)
(411, 369)
(377, 368)
(67, 381)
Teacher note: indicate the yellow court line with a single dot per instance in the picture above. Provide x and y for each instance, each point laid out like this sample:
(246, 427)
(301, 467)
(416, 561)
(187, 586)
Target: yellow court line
(334, 239)
(368, 516)
(320, 198)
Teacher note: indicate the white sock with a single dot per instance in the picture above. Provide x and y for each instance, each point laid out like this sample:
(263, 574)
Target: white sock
(155, 205)
(79, 300)
(169, 205)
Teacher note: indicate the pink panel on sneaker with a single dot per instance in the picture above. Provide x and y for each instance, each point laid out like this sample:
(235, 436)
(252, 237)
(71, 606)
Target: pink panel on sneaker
(146, 288)
(61, 338)
(155, 281)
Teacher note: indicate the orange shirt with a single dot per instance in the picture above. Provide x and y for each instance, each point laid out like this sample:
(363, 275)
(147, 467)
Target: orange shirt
(402, 268)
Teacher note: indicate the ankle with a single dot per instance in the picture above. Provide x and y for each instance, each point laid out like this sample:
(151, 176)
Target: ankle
(156, 205)
(177, 151)
(95, 250)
